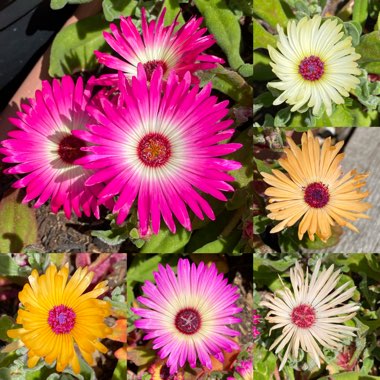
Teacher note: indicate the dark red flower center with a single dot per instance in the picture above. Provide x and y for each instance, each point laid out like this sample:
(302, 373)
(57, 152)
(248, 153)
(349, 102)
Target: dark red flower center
(311, 68)
(61, 319)
(152, 65)
(188, 321)
(317, 195)
(154, 150)
(303, 316)
(69, 149)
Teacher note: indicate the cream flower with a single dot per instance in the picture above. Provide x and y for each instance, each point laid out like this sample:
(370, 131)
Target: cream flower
(315, 63)
(311, 315)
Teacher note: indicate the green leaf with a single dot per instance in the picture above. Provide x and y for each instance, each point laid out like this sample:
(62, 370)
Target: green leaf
(172, 10)
(354, 30)
(113, 236)
(222, 244)
(360, 11)
(59, 4)
(18, 224)
(5, 324)
(244, 175)
(261, 37)
(224, 25)
(142, 267)
(9, 267)
(369, 48)
(261, 166)
(73, 47)
(271, 12)
(229, 82)
(262, 70)
(282, 117)
(167, 242)
(113, 9)
(120, 372)
(202, 236)
(264, 363)
(260, 223)
(5, 374)
(349, 376)
(244, 6)
(232, 84)
(341, 117)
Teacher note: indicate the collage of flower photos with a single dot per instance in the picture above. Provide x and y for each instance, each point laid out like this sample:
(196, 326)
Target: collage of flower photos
(189, 190)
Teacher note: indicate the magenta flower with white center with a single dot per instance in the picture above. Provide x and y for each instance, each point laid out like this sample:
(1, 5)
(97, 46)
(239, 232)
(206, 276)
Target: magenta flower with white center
(44, 148)
(157, 46)
(187, 314)
(161, 147)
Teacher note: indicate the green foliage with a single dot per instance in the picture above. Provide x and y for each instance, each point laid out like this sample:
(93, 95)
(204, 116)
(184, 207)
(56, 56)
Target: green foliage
(58, 4)
(172, 10)
(369, 49)
(120, 372)
(360, 11)
(228, 82)
(167, 242)
(18, 224)
(113, 9)
(73, 47)
(262, 38)
(224, 25)
(271, 12)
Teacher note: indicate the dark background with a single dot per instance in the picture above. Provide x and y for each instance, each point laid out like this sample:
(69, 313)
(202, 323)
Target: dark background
(27, 27)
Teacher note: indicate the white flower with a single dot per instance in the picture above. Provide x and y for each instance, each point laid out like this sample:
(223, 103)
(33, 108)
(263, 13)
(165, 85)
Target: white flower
(314, 63)
(313, 313)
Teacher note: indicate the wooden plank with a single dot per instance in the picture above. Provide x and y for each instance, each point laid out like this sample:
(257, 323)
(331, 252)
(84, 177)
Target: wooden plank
(363, 154)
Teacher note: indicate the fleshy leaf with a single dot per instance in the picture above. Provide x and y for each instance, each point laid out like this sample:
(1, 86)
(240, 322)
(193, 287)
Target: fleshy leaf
(18, 224)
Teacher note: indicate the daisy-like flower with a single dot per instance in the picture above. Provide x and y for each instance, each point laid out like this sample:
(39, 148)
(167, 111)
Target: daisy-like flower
(56, 314)
(315, 189)
(161, 146)
(157, 46)
(313, 313)
(315, 63)
(43, 148)
(244, 369)
(187, 315)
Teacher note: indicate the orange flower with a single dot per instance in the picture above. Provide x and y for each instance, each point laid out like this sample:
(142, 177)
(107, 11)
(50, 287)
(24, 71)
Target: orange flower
(314, 189)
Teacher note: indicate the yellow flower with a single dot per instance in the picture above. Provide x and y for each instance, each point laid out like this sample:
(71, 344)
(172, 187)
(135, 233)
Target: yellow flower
(57, 314)
(315, 189)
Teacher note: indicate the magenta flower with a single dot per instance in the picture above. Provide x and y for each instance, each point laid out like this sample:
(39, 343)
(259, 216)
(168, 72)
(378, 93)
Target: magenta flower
(43, 148)
(160, 147)
(244, 369)
(158, 45)
(187, 315)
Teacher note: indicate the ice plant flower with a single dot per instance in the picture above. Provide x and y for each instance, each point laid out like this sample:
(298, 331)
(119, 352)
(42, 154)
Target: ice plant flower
(44, 149)
(157, 46)
(244, 369)
(161, 147)
(314, 189)
(314, 312)
(187, 315)
(57, 315)
(315, 64)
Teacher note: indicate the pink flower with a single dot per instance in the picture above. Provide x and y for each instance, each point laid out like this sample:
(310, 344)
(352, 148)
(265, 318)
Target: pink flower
(43, 148)
(157, 46)
(245, 369)
(161, 147)
(187, 315)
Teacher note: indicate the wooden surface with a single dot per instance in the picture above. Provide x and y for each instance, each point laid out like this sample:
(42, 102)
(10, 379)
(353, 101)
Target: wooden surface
(363, 154)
